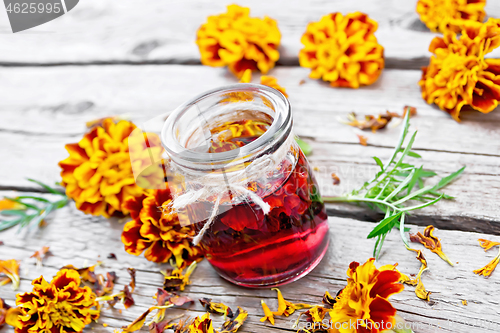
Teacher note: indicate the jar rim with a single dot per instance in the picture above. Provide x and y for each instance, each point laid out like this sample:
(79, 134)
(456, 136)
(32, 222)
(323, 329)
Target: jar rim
(279, 129)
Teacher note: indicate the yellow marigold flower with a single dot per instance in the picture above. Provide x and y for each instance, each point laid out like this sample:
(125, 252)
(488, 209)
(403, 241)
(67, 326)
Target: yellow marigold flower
(241, 42)
(343, 50)
(98, 173)
(59, 306)
(156, 229)
(458, 74)
(365, 298)
(445, 15)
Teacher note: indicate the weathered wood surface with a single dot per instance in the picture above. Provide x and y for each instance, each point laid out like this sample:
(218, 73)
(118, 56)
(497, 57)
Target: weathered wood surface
(99, 31)
(51, 114)
(44, 105)
(81, 240)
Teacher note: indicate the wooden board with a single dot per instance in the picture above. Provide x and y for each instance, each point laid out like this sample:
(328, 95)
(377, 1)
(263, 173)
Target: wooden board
(151, 31)
(51, 114)
(81, 240)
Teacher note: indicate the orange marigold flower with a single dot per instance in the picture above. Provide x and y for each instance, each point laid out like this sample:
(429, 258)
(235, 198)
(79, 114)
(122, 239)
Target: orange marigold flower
(241, 42)
(59, 306)
(343, 50)
(458, 74)
(365, 298)
(445, 15)
(156, 229)
(98, 173)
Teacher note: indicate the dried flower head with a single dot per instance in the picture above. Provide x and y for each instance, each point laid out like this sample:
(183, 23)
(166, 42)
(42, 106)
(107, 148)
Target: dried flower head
(343, 50)
(156, 229)
(446, 15)
(241, 42)
(59, 306)
(98, 172)
(458, 74)
(365, 298)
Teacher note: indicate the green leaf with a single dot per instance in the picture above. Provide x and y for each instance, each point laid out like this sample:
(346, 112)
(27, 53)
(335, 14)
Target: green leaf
(414, 180)
(448, 179)
(47, 187)
(379, 162)
(304, 146)
(407, 209)
(385, 225)
(33, 198)
(13, 212)
(402, 230)
(400, 187)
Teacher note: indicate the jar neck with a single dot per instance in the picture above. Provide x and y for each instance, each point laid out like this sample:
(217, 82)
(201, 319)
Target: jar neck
(186, 135)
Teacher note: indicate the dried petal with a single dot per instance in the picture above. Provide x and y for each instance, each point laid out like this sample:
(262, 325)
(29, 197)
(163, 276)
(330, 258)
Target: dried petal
(219, 308)
(177, 281)
(246, 77)
(233, 324)
(421, 292)
(336, 179)
(373, 123)
(132, 271)
(489, 268)
(9, 272)
(202, 325)
(41, 254)
(272, 82)
(137, 323)
(287, 308)
(112, 256)
(431, 242)
(268, 314)
(363, 140)
(487, 244)
(328, 300)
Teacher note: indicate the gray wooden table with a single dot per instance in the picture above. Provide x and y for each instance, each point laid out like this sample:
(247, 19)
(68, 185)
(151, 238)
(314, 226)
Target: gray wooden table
(138, 58)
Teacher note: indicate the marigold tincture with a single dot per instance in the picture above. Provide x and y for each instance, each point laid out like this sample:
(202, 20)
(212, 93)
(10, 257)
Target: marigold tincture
(239, 177)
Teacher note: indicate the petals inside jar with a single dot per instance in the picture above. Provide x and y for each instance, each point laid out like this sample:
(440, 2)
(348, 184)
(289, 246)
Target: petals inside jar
(250, 248)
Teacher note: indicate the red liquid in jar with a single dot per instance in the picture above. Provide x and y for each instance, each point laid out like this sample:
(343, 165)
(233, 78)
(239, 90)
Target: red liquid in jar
(250, 248)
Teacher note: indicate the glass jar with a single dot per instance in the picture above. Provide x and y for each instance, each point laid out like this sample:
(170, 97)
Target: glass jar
(238, 175)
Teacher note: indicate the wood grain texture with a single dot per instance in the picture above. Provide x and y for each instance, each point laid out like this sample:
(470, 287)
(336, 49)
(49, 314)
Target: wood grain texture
(125, 31)
(51, 114)
(81, 240)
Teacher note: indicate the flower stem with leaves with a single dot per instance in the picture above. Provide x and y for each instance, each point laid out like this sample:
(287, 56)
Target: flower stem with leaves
(394, 186)
(32, 210)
